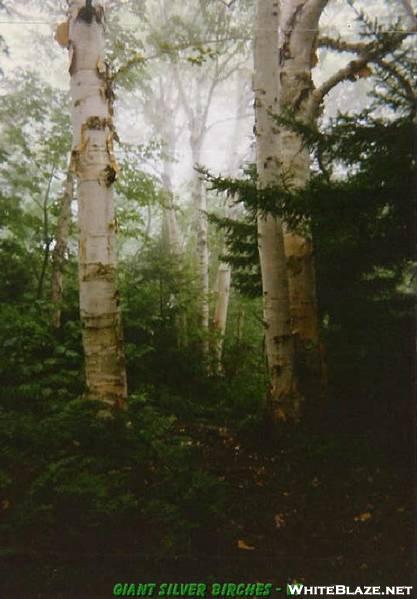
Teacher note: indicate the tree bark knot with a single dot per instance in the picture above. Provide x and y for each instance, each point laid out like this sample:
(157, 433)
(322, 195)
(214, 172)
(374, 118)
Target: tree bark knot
(95, 122)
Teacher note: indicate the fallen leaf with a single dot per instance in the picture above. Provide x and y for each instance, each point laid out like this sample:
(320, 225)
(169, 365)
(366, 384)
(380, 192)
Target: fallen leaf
(242, 545)
(279, 520)
(363, 517)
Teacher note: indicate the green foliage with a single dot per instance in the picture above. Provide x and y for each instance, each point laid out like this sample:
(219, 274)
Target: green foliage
(36, 365)
(33, 160)
(102, 476)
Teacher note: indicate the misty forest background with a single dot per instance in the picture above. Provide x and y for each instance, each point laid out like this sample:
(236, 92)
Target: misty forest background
(206, 468)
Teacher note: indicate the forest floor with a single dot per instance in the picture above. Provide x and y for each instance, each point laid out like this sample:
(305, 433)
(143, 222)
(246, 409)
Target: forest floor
(330, 511)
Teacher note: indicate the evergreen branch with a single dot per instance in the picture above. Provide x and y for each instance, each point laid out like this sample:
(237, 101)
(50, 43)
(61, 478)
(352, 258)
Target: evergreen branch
(341, 45)
(402, 80)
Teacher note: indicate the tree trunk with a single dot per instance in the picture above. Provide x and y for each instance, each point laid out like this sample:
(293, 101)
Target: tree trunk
(199, 199)
(224, 277)
(169, 217)
(224, 273)
(298, 33)
(197, 121)
(46, 238)
(94, 165)
(283, 398)
(171, 241)
(200, 204)
(240, 325)
(58, 254)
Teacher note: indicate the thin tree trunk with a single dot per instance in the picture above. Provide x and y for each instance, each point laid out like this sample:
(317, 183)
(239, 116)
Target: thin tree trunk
(197, 121)
(224, 277)
(46, 239)
(94, 164)
(58, 254)
(200, 204)
(224, 273)
(199, 199)
(169, 216)
(240, 325)
(283, 397)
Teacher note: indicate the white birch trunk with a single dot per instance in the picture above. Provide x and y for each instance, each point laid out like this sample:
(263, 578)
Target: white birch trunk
(284, 399)
(298, 33)
(58, 254)
(94, 164)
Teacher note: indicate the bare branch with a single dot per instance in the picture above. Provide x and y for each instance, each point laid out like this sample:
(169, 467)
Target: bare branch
(367, 53)
(226, 120)
(140, 59)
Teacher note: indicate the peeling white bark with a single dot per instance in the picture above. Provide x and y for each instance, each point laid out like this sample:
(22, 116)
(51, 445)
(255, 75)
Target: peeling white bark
(94, 165)
(299, 23)
(283, 397)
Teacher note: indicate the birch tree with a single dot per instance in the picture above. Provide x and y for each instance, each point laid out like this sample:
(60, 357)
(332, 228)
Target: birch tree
(95, 168)
(58, 253)
(298, 31)
(298, 97)
(283, 396)
(224, 271)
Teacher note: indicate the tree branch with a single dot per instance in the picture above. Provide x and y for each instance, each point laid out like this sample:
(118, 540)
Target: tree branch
(341, 45)
(403, 81)
(227, 4)
(368, 53)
